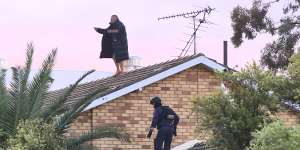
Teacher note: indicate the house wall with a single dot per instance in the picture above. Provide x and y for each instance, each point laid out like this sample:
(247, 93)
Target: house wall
(134, 113)
(288, 116)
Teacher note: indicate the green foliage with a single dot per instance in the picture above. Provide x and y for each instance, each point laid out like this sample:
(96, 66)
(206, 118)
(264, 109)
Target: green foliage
(276, 54)
(276, 136)
(104, 132)
(249, 22)
(289, 89)
(26, 100)
(294, 66)
(233, 116)
(3, 95)
(35, 135)
(294, 74)
(23, 98)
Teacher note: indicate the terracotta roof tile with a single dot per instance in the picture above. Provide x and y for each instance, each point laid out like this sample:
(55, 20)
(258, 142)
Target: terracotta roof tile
(114, 83)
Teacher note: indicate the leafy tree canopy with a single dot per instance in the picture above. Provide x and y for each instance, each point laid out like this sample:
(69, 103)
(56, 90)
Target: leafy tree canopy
(247, 23)
(233, 116)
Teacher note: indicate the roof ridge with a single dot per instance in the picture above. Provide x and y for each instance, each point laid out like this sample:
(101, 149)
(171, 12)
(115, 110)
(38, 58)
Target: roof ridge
(136, 70)
(128, 82)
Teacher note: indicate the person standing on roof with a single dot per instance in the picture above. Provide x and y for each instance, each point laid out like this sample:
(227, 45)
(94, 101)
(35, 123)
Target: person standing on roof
(165, 120)
(114, 43)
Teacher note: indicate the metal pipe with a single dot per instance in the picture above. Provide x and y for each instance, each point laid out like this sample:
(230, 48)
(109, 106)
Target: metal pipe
(225, 51)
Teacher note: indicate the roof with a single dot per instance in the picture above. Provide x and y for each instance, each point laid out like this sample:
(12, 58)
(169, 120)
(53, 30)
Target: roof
(194, 145)
(187, 145)
(292, 105)
(60, 77)
(135, 80)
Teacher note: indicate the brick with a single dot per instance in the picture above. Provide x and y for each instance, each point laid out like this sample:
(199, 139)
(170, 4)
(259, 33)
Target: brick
(186, 92)
(141, 135)
(146, 147)
(165, 88)
(133, 111)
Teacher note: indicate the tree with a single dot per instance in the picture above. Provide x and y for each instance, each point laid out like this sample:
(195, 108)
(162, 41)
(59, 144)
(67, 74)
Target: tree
(276, 136)
(289, 89)
(26, 100)
(233, 116)
(247, 23)
(294, 72)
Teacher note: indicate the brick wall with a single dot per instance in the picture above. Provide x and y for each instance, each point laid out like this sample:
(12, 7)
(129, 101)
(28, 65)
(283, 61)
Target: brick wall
(288, 116)
(134, 113)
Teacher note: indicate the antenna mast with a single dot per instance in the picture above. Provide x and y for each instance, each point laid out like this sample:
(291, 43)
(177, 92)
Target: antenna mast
(193, 15)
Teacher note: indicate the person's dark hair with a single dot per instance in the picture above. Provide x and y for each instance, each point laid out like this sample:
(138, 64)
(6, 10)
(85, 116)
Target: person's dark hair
(115, 16)
(155, 101)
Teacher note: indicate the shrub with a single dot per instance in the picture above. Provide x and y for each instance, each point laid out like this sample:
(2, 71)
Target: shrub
(294, 74)
(276, 136)
(35, 135)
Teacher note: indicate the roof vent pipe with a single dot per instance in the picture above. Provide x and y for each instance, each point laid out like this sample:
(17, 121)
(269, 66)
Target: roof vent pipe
(225, 49)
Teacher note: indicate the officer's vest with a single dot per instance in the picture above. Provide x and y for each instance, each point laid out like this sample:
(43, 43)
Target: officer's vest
(167, 117)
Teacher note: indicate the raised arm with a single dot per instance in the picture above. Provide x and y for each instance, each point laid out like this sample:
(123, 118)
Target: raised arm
(100, 30)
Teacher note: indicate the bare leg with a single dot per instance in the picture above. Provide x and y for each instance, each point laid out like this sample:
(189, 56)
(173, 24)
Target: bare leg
(117, 66)
(123, 66)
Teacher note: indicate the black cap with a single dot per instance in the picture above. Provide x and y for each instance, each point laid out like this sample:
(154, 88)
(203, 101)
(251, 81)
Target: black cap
(155, 100)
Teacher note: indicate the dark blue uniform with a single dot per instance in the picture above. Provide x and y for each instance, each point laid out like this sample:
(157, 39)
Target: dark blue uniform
(166, 130)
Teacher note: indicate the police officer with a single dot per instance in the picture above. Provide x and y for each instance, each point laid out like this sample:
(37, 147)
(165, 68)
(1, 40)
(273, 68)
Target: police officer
(165, 120)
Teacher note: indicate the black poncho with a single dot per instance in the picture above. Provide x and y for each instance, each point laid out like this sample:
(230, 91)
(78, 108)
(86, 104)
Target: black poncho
(114, 45)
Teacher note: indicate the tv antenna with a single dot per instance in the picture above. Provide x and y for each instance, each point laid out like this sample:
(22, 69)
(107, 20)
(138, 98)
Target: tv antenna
(193, 15)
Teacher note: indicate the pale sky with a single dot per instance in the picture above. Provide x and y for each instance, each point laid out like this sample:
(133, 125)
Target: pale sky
(68, 25)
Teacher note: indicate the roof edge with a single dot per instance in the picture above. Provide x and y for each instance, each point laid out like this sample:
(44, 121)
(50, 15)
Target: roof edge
(291, 105)
(162, 75)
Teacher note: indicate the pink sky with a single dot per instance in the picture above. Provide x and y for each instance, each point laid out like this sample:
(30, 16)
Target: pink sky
(68, 25)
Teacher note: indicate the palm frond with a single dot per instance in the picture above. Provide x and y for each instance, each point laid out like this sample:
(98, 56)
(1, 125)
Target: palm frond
(3, 101)
(3, 92)
(4, 126)
(9, 122)
(24, 75)
(39, 86)
(104, 132)
(58, 106)
(20, 81)
(23, 81)
(25, 99)
(65, 119)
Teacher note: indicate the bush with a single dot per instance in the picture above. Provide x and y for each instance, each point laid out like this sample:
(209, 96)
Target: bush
(35, 135)
(232, 117)
(294, 74)
(276, 137)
